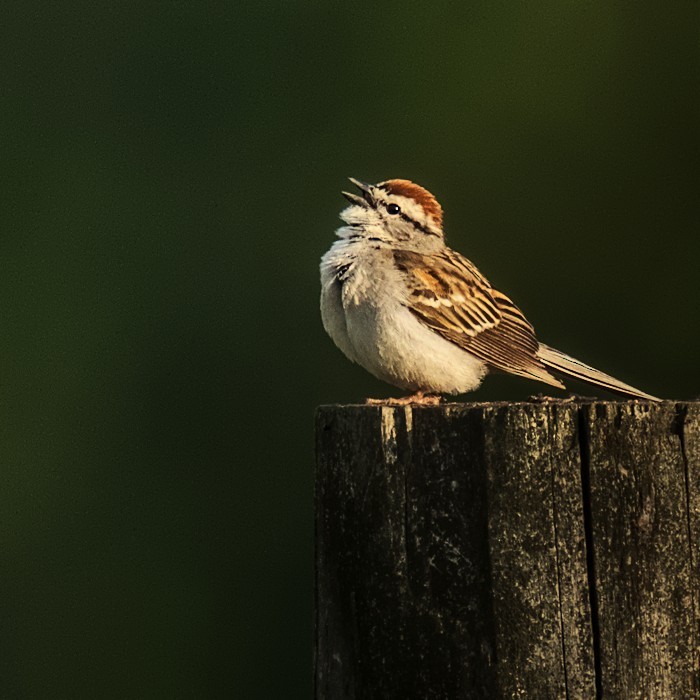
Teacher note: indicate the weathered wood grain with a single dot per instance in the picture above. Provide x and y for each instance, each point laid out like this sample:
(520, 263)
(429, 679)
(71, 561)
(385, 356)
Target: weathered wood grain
(508, 551)
(688, 430)
(641, 551)
(402, 589)
(538, 556)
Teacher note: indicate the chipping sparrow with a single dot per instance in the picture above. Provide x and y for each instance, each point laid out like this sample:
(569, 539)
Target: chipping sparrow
(418, 315)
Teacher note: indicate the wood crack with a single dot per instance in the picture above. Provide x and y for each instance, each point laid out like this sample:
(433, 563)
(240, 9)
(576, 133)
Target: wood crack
(679, 429)
(585, 454)
(555, 516)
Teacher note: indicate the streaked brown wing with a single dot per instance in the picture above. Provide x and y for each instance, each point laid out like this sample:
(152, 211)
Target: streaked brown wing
(450, 296)
(446, 294)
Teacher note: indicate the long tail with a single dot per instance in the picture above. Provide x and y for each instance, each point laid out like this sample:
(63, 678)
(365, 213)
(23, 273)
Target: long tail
(571, 367)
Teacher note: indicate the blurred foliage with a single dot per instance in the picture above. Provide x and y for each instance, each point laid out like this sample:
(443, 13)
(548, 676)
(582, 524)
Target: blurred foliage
(170, 176)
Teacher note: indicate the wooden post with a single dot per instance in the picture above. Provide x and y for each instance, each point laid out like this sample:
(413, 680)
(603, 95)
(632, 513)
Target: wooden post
(516, 550)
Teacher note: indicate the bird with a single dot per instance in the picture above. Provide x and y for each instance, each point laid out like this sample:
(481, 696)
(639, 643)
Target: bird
(420, 316)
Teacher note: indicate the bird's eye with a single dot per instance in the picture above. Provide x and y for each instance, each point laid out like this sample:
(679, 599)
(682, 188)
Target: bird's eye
(393, 209)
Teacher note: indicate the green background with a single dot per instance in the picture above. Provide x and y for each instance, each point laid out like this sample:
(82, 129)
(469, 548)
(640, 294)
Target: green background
(170, 175)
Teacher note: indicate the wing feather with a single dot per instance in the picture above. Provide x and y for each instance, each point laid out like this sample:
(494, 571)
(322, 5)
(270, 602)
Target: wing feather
(448, 294)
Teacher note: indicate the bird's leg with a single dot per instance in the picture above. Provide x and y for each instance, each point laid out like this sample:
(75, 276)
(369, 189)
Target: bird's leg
(420, 398)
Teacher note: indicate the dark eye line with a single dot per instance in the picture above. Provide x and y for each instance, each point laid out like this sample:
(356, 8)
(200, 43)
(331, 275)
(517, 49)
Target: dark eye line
(420, 227)
(408, 219)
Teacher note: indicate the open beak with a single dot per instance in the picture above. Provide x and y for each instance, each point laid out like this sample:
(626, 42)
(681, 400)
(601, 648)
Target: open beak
(366, 198)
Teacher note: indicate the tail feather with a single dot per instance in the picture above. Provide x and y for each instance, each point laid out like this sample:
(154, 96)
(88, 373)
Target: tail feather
(571, 367)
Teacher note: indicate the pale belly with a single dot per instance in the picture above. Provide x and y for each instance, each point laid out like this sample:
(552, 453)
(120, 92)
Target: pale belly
(396, 347)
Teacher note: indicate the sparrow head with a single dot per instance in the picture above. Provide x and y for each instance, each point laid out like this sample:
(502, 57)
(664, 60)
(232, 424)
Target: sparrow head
(395, 211)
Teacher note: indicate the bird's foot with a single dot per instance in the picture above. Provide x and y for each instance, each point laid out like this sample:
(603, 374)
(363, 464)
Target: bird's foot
(543, 398)
(417, 399)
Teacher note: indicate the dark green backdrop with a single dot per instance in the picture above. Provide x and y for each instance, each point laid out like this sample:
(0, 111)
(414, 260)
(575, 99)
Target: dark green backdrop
(170, 175)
